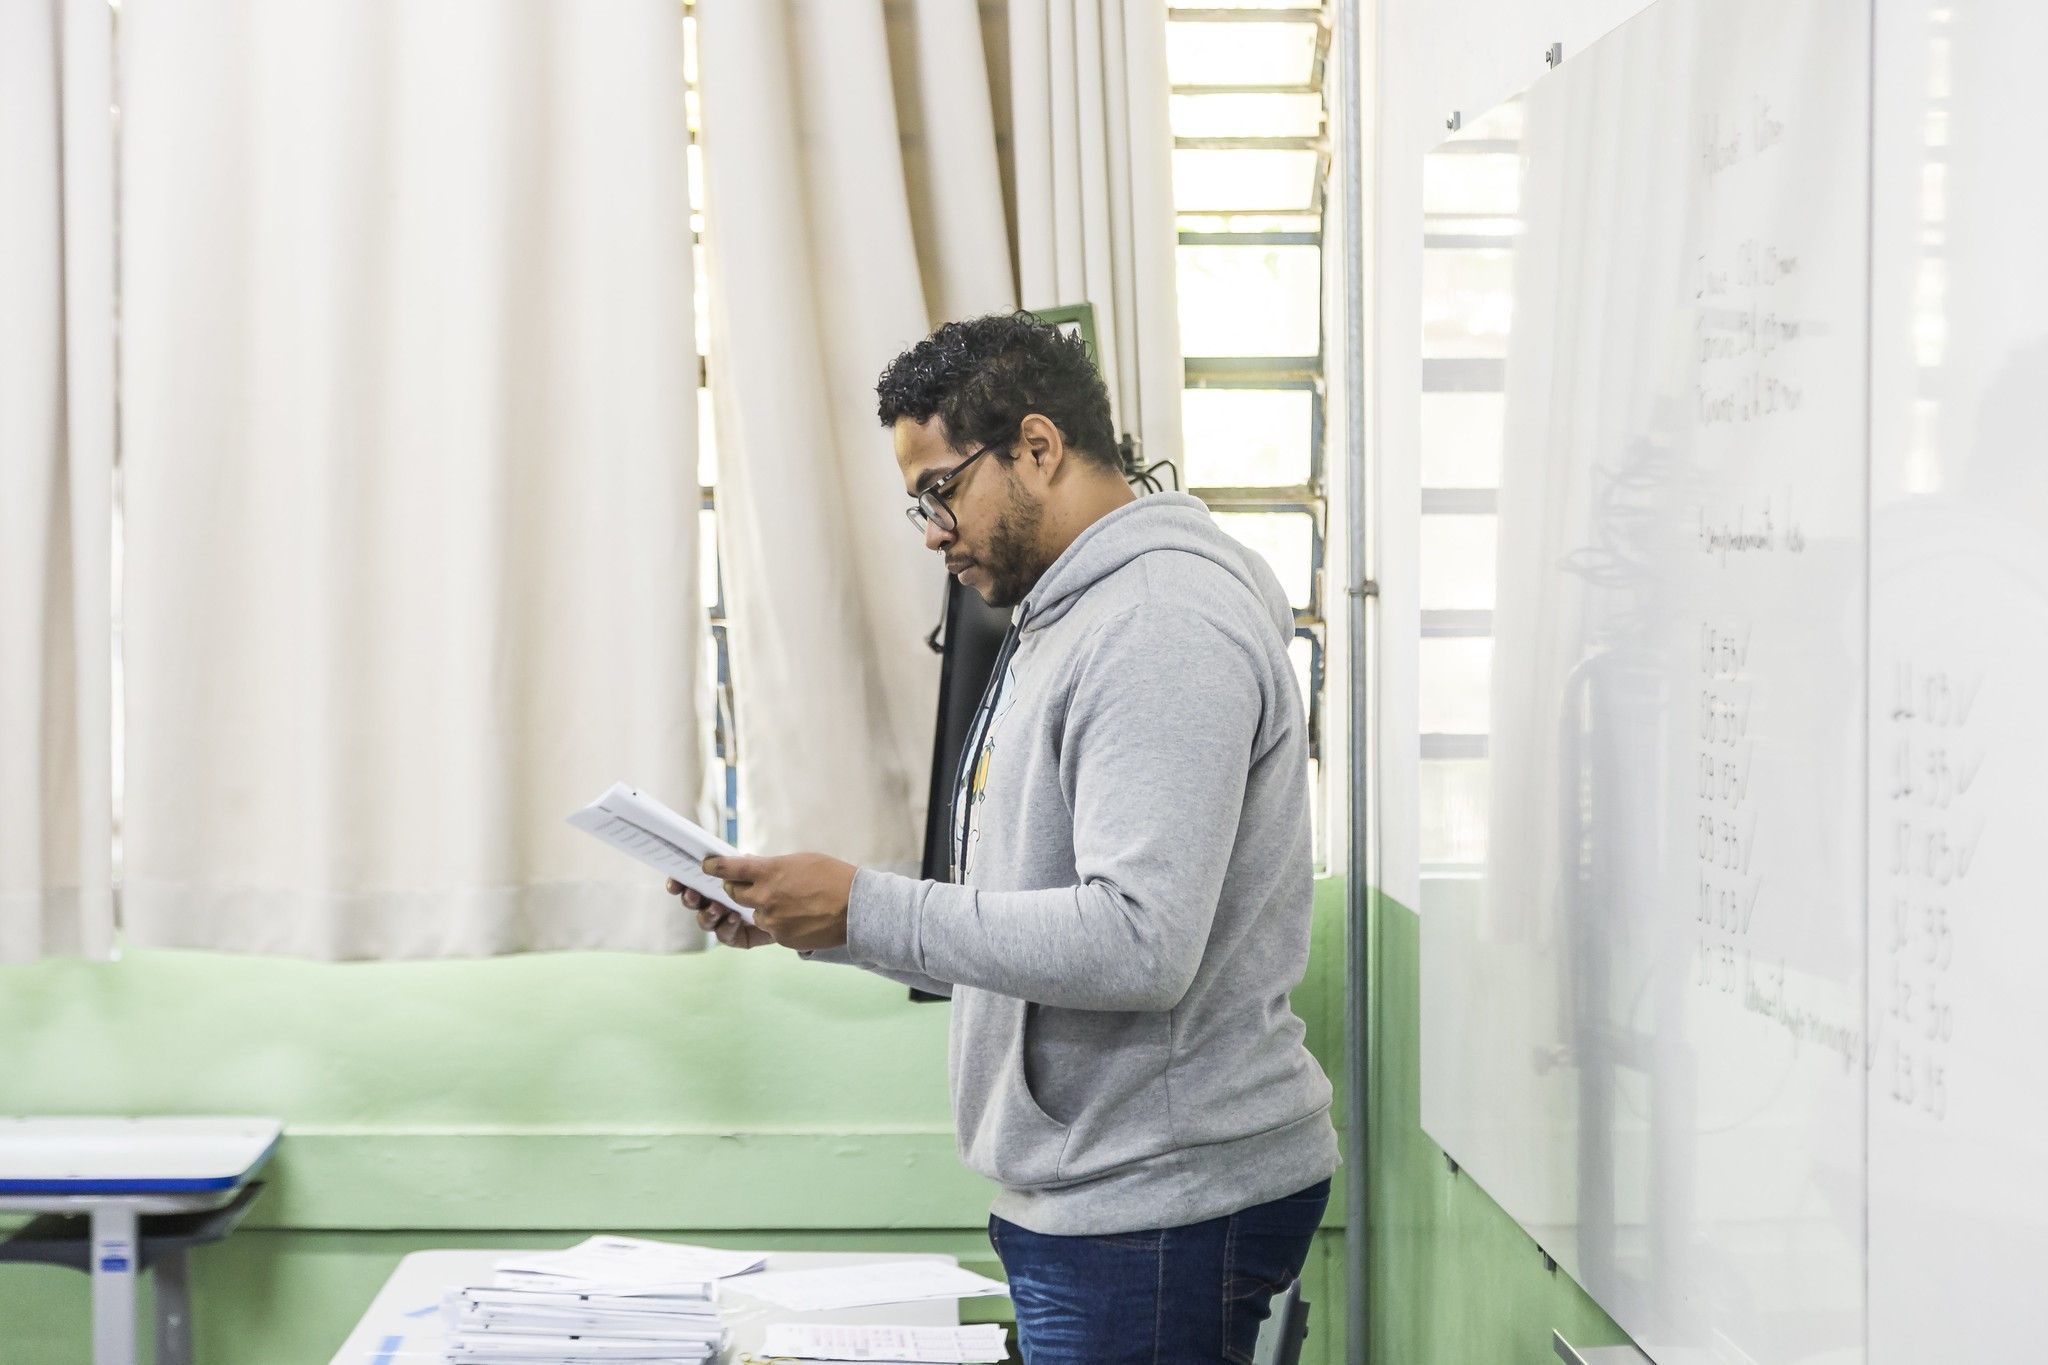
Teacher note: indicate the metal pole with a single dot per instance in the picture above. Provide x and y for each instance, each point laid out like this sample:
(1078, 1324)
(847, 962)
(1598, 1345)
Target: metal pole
(116, 1247)
(1360, 866)
(173, 1310)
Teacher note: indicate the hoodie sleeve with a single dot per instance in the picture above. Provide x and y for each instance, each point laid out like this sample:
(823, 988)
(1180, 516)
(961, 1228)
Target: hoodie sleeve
(1160, 733)
(914, 980)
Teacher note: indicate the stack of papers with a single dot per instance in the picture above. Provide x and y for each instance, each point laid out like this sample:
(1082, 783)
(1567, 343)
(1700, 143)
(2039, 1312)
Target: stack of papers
(605, 1299)
(500, 1326)
(937, 1345)
(859, 1286)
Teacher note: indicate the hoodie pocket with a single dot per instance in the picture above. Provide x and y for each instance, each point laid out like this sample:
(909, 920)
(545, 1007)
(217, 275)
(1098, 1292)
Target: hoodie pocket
(1005, 1133)
(1030, 1023)
(1101, 1075)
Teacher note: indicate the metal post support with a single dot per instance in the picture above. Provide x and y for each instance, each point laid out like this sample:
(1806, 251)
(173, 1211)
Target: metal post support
(1360, 869)
(173, 1310)
(115, 1250)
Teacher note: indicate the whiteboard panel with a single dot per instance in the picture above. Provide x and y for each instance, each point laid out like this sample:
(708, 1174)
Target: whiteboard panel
(1959, 662)
(1643, 1013)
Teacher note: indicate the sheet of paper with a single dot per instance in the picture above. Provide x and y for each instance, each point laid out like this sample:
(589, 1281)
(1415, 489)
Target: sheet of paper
(524, 1282)
(499, 1301)
(974, 1345)
(687, 1335)
(808, 1291)
(613, 1260)
(517, 1311)
(545, 1350)
(646, 830)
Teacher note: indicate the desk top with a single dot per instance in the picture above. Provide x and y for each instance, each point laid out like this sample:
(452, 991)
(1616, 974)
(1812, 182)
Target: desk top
(403, 1324)
(132, 1156)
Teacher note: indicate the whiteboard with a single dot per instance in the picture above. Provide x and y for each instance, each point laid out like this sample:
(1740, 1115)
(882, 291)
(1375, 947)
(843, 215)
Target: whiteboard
(1643, 1016)
(1959, 667)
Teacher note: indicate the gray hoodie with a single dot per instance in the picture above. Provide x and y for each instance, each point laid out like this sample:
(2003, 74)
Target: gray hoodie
(1137, 900)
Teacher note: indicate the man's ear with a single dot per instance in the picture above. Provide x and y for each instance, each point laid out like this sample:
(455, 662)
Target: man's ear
(1042, 445)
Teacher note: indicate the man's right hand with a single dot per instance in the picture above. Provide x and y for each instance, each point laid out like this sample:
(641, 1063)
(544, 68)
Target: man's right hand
(719, 922)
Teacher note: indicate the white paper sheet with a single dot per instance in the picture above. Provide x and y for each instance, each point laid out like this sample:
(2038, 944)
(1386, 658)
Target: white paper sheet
(808, 1291)
(973, 1345)
(647, 831)
(634, 1261)
(547, 1350)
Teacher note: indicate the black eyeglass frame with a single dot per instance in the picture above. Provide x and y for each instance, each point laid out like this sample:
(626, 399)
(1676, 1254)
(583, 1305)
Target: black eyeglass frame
(931, 505)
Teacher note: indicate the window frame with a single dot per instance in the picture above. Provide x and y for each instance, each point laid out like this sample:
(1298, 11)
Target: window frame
(1198, 226)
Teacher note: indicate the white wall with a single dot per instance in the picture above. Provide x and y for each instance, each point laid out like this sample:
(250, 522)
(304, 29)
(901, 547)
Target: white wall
(1433, 57)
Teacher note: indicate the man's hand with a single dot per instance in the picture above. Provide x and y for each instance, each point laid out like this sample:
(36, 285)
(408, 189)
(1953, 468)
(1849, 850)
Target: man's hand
(719, 922)
(798, 900)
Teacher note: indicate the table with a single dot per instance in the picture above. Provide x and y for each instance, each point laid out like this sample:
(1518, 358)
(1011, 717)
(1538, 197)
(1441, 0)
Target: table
(115, 1170)
(403, 1324)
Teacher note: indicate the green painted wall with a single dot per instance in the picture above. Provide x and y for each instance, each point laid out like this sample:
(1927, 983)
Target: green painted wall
(742, 1099)
(1453, 1280)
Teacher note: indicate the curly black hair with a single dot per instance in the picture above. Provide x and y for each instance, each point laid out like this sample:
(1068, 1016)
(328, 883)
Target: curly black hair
(984, 375)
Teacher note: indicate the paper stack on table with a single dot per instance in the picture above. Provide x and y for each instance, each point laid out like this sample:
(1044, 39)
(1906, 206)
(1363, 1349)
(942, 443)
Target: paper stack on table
(973, 1345)
(605, 1299)
(500, 1326)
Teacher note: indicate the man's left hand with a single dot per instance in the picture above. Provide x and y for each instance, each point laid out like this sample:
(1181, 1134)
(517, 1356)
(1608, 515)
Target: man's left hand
(798, 898)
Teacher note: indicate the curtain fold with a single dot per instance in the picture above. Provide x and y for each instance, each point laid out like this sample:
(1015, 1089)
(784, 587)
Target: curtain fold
(56, 479)
(1093, 147)
(853, 201)
(409, 394)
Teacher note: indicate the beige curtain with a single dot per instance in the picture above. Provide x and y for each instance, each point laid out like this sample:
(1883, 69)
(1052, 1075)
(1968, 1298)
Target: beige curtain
(408, 396)
(56, 473)
(1094, 193)
(853, 201)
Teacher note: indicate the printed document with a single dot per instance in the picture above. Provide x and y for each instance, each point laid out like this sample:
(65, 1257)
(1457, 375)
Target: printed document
(979, 1344)
(614, 1262)
(643, 828)
(857, 1286)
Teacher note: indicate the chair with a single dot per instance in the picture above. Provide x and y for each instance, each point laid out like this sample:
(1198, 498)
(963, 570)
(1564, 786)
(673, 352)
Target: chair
(1284, 1330)
(66, 1240)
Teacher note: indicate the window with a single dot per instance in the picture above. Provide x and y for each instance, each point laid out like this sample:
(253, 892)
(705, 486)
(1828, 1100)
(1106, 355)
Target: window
(724, 778)
(1471, 198)
(1250, 161)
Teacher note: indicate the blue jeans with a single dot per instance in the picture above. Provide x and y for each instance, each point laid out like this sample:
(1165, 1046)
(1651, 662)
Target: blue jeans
(1168, 1296)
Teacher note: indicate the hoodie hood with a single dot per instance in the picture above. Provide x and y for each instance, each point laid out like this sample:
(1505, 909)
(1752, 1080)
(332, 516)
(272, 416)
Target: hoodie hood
(1159, 523)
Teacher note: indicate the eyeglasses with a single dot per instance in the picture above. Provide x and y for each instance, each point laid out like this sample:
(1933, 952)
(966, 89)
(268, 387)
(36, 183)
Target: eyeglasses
(932, 507)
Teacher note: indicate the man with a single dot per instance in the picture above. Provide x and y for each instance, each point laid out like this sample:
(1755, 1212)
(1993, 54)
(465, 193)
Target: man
(1132, 859)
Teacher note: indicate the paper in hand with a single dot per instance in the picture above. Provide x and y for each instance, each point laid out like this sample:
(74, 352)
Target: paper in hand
(643, 828)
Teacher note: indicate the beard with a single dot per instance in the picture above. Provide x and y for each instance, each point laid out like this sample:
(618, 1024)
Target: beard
(1011, 561)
